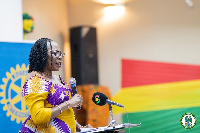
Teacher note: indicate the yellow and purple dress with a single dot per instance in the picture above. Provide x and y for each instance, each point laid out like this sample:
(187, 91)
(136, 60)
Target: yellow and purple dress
(40, 96)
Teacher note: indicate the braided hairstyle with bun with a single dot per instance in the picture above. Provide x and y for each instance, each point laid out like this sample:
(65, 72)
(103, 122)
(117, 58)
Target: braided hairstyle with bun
(38, 56)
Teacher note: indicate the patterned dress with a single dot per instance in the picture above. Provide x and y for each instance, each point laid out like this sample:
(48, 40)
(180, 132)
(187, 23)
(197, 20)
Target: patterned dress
(40, 96)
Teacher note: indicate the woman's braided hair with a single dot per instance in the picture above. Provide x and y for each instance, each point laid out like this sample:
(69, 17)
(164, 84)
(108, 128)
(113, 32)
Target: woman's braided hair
(38, 55)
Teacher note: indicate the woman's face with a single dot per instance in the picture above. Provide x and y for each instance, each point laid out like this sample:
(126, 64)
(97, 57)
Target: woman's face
(54, 60)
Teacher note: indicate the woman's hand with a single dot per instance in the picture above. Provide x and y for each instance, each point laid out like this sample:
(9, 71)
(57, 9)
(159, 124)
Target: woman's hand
(87, 126)
(78, 126)
(75, 101)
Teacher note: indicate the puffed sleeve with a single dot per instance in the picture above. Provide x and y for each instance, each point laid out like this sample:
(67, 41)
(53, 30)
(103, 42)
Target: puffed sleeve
(35, 93)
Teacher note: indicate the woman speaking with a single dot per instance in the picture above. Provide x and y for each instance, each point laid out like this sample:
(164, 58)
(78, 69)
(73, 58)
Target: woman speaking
(48, 97)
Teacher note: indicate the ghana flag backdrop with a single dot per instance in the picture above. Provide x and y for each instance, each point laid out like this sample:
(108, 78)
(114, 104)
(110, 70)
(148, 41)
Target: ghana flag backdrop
(13, 71)
(157, 94)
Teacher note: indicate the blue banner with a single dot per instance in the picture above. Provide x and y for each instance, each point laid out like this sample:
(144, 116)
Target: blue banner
(13, 72)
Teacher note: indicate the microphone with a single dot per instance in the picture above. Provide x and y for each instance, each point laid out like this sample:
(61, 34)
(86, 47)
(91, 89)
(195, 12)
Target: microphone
(101, 99)
(72, 81)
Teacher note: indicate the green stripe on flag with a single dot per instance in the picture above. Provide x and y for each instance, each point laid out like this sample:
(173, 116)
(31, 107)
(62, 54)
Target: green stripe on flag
(163, 121)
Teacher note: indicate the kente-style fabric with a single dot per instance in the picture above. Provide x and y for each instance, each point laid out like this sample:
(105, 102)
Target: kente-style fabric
(90, 113)
(40, 96)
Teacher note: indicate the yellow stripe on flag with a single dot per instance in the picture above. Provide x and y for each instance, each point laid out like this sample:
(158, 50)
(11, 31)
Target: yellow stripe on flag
(158, 97)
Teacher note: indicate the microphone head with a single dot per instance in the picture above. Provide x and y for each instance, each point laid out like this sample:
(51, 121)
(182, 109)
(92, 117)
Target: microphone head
(72, 80)
(99, 98)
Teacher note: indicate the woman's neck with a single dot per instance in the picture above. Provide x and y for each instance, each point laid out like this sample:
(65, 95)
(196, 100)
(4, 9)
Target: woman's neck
(47, 73)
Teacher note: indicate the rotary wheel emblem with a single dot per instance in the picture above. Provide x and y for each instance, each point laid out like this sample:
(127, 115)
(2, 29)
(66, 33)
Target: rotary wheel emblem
(11, 94)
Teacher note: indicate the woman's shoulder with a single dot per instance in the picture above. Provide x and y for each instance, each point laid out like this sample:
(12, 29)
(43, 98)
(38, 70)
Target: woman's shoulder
(33, 74)
(35, 80)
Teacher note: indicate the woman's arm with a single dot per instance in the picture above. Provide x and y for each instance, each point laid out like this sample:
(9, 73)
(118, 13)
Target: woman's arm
(35, 93)
(75, 101)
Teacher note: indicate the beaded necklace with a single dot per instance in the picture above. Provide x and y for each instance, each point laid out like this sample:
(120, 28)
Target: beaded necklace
(47, 74)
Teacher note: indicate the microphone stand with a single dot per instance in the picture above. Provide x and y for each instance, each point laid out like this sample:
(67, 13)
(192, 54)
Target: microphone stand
(112, 122)
(119, 126)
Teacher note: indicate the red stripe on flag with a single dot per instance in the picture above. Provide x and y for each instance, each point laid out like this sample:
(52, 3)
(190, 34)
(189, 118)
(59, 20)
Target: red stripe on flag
(137, 72)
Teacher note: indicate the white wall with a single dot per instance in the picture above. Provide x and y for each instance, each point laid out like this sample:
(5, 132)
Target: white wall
(11, 20)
